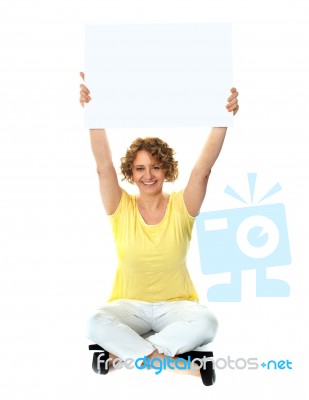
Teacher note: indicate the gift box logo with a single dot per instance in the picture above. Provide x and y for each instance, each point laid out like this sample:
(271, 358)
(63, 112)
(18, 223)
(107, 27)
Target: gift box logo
(251, 237)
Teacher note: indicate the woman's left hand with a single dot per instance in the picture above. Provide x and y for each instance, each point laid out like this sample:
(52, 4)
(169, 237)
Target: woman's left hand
(233, 102)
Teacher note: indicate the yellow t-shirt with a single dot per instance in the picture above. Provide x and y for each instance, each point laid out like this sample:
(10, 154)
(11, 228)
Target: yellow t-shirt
(152, 258)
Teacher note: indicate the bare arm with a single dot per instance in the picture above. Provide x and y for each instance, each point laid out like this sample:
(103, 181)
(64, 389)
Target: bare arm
(195, 190)
(109, 185)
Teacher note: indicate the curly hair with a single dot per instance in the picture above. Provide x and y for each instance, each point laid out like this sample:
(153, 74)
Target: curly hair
(158, 149)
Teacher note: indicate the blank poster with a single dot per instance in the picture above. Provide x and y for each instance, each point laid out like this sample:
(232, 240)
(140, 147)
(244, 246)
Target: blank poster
(158, 75)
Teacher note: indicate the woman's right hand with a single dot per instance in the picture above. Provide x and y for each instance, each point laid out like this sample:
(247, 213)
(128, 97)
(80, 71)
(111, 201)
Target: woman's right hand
(84, 92)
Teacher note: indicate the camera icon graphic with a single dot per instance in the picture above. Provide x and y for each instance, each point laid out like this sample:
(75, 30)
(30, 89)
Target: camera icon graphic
(252, 237)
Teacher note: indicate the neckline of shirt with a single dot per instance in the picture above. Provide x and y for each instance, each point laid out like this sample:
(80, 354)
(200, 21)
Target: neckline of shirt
(140, 217)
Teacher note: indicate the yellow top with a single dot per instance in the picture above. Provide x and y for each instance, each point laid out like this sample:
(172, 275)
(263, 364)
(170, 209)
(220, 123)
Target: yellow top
(152, 258)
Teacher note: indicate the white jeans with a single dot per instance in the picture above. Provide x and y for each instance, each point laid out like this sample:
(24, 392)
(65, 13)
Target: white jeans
(179, 326)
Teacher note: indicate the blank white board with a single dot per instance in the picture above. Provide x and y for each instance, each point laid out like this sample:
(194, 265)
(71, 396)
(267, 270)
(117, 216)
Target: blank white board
(158, 75)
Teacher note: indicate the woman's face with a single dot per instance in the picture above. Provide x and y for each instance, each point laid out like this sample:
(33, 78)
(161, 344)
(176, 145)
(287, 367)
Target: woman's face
(147, 173)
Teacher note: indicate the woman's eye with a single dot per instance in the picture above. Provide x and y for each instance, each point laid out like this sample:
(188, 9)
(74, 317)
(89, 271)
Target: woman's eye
(156, 167)
(139, 169)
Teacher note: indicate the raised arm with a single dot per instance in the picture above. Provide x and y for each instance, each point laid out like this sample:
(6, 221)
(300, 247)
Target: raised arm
(195, 190)
(109, 185)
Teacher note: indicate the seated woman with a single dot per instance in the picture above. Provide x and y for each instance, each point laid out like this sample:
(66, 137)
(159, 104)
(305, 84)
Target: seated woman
(152, 230)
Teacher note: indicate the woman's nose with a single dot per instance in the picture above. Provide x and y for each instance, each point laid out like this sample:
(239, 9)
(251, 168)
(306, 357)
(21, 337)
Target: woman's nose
(148, 173)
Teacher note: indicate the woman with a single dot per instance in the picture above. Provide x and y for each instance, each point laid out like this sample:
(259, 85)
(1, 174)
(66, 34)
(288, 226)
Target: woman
(152, 290)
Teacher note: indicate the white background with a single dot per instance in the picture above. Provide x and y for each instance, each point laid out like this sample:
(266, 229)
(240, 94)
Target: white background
(57, 256)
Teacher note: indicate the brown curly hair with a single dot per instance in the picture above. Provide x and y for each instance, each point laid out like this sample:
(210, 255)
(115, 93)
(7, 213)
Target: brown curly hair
(159, 149)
